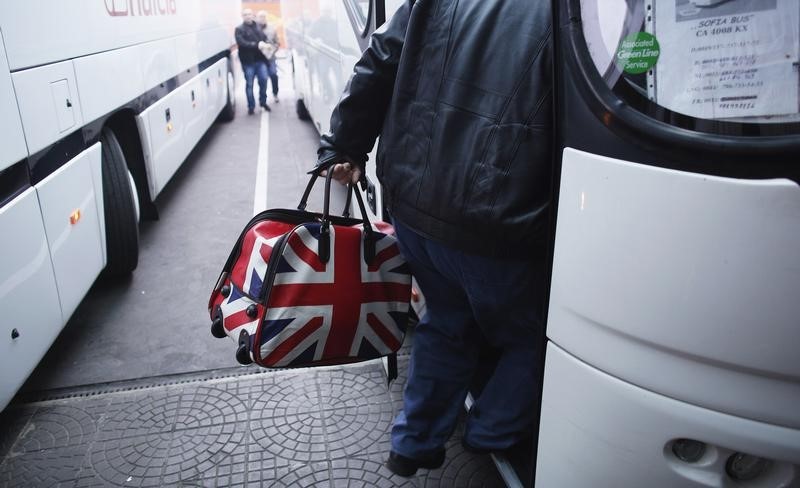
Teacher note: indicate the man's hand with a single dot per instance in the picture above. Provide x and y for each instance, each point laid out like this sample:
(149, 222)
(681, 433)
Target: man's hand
(262, 44)
(344, 173)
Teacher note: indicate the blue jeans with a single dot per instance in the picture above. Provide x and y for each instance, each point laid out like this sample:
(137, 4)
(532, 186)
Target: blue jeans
(272, 70)
(252, 70)
(472, 301)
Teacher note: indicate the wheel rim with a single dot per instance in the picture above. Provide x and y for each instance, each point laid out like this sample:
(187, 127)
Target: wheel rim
(231, 98)
(134, 196)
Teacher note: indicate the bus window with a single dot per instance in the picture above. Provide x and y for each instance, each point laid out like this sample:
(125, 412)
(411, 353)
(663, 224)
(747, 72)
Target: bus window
(714, 66)
(362, 11)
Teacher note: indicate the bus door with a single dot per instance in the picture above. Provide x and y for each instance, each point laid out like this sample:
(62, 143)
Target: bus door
(364, 17)
(673, 316)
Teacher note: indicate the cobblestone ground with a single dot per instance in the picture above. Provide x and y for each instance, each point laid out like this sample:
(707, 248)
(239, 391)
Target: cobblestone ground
(246, 427)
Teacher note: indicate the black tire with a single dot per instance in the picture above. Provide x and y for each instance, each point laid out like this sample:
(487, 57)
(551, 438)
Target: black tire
(229, 111)
(217, 329)
(302, 111)
(122, 227)
(243, 355)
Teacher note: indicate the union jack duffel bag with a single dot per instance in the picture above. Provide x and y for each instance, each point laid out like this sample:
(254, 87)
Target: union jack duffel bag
(309, 289)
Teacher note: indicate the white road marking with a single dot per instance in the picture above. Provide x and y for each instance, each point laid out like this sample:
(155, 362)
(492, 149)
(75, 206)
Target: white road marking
(262, 170)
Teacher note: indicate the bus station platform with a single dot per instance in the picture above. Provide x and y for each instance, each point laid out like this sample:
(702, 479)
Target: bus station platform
(239, 426)
(117, 403)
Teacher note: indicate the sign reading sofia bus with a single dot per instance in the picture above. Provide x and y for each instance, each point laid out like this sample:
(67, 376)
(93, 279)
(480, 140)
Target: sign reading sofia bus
(727, 59)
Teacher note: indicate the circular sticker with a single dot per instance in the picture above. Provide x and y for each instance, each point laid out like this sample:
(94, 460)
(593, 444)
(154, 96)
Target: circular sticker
(638, 53)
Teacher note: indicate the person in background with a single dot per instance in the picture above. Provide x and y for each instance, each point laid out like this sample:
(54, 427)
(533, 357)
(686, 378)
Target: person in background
(251, 39)
(269, 52)
(460, 93)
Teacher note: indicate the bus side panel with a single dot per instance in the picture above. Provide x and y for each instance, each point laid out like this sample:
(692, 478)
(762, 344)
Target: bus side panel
(213, 84)
(48, 103)
(212, 41)
(210, 87)
(186, 50)
(662, 275)
(194, 48)
(216, 88)
(350, 52)
(174, 125)
(193, 106)
(159, 62)
(167, 145)
(601, 432)
(28, 296)
(324, 64)
(72, 223)
(13, 147)
(46, 31)
(109, 80)
(294, 23)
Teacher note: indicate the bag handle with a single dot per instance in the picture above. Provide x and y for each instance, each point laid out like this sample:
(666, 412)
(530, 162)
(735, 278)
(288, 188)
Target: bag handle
(314, 175)
(325, 238)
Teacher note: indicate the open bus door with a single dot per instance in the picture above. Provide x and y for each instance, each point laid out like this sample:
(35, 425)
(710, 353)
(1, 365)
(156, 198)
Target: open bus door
(673, 313)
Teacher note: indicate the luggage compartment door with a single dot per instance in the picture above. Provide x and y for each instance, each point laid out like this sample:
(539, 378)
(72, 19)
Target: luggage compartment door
(31, 315)
(72, 222)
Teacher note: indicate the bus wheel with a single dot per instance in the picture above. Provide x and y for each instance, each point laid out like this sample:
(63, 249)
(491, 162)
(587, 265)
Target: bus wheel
(122, 226)
(302, 111)
(229, 111)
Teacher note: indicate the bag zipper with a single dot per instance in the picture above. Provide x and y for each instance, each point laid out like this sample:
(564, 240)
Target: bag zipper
(266, 287)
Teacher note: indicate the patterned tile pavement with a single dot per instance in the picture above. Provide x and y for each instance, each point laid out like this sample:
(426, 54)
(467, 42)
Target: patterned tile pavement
(325, 427)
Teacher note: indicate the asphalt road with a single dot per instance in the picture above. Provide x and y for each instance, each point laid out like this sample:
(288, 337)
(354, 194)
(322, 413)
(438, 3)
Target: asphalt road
(156, 323)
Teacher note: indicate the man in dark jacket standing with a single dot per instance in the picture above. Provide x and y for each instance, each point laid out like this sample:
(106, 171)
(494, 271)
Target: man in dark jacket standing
(460, 94)
(249, 38)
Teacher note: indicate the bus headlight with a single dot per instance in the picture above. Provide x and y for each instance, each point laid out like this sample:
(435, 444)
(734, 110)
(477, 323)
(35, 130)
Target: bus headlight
(688, 450)
(743, 467)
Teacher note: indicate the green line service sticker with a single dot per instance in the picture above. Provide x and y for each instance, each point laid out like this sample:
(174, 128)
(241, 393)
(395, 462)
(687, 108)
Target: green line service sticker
(637, 53)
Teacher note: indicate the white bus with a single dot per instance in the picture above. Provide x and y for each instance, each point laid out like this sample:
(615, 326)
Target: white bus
(325, 40)
(100, 103)
(673, 319)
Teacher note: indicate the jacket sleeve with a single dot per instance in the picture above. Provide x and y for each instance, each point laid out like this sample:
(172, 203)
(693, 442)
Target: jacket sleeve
(241, 41)
(357, 118)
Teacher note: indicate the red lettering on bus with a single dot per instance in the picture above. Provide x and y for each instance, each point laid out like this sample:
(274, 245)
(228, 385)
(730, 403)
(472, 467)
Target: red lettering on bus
(132, 8)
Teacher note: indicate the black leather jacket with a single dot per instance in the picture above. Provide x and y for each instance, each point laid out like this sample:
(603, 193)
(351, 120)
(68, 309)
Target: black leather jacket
(460, 93)
(247, 38)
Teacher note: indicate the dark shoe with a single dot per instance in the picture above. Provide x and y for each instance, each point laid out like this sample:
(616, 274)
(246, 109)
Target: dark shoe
(251, 111)
(406, 466)
(474, 450)
(266, 107)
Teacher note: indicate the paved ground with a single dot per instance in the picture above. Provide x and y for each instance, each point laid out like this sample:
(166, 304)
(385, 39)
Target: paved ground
(136, 391)
(325, 427)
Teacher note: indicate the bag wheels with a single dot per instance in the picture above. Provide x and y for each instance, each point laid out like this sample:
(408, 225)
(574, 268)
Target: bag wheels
(243, 351)
(217, 330)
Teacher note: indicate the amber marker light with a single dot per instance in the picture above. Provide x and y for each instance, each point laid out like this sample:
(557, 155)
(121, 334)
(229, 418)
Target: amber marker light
(169, 126)
(74, 217)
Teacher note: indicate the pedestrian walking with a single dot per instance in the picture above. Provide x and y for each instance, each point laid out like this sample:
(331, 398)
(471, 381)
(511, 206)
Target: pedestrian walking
(459, 92)
(270, 50)
(250, 39)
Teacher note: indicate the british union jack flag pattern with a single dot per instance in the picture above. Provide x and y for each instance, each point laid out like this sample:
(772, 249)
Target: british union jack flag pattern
(298, 310)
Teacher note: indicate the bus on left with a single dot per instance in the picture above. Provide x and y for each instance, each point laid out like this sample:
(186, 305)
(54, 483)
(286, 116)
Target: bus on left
(100, 103)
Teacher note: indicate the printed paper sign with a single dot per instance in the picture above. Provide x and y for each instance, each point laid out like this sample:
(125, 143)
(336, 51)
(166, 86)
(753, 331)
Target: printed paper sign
(727, 58)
